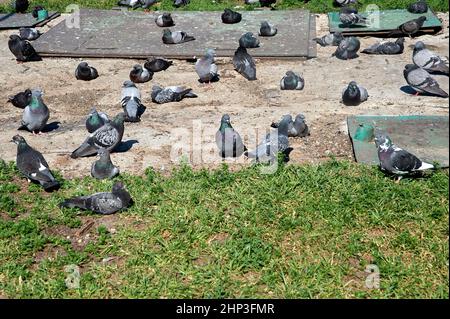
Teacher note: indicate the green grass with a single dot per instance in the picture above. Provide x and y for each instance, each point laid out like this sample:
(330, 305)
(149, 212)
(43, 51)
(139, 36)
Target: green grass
(318, 6)
(305, 232)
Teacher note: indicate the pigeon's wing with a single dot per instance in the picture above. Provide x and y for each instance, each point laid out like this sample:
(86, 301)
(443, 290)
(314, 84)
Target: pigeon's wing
(106, 136)
(245, 65)
(403, 161)
(34, 166)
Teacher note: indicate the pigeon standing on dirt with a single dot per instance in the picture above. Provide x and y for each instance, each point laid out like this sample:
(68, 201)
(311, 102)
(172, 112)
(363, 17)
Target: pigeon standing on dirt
(228, 140)
(206, 68)
(95, 120)
(102, 203)
(292, 81)
(297, 128)
(36, 114)
(140, 75)
(103, 168)
(21, 99)
(387, 48)
(354, 94)
(413, 26)
(248, 40)
(169, 94)
(176, 37)
(331, 39)
(108, 136)
(164, 20)
(33, 165)
(350, 16)
(85, 72)
(395, 160)
(229, 16)
(428, 60)
(180, 3)
(157, 64)
(29, 34)
(244, 64)
(421, 81)
(267, 30)
(347, 49)
(22, 49)
(20, 6)
(418, 7)
(131, 102)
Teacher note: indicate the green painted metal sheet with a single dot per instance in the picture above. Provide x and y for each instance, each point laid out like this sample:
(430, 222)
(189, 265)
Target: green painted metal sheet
(425, 136)
(17, 20)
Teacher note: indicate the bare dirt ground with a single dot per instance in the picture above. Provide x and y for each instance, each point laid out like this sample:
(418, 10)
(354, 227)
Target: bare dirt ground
(252, 105)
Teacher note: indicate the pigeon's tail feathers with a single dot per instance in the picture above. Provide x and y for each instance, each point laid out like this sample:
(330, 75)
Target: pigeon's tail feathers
(319, 41)
(187, 93)
(425, 166)
(73, 203)
(188, 38)
(84, 150)
(51, 186)
(132, 119)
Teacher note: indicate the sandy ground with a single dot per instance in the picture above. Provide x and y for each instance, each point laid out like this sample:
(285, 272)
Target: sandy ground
(252, 105)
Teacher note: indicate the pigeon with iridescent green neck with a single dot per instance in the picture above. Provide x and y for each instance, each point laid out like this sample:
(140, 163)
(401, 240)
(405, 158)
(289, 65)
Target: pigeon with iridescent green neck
(228, 140)
(103, 168)
(292, 81)
(36, 114)
(96, 120)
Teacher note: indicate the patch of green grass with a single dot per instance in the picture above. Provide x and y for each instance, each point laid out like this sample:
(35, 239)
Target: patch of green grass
(304, 232)
(317, 6)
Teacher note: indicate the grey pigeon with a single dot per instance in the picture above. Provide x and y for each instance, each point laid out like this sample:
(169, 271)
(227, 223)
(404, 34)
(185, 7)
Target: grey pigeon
(180, 3)
(134, 4)
(102, 203)
(20, 6)
(22, 49)
(145, 4)
(244, 64)
(33, 165)
(176, 37)
(413, 26)
(297, 128)
(108, 136)
(230, 17)
(164, 20)
(343, 3)
(347, 49)
(157, 64)
(228, 140)
(349, 17)
(169, 94)
(292, 81)
(131, 102)
(248, 40)
(354, 94)
(396, 161)
(29, 34)
(387, 48)
(275, 142)
(36, 114)
(418, 7)
(95, 120)
(421, 81)
(140, 75)
(103, 168)
(206, 68)
(331, 39)
(21, 99)
(267, 30)
(85, 72)
(428, 60)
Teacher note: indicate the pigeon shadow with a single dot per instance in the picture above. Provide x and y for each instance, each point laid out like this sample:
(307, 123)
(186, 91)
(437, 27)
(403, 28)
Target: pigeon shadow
(141, 110)
(125, 146)
(51, 127)
(409, 90)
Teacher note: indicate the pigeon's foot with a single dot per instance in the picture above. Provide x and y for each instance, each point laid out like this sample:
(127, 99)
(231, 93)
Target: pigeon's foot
(417, 94)
(19, 62)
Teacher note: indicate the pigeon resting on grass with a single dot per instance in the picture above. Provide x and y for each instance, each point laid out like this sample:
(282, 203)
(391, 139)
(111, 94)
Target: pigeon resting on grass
(29, 34)
(421, 81)
(176, 37)
(157, 64)
(347, 49)
(206, 68)
(395, 160)
(331, 39)
(36, 114)
(297, 128)
(164, 20)
(102, 203)
(418, 7)
(343, 3)
(180, 3)
(33, 165)
(230, 16)
(21, 99)
(85, 72)
(140, 75)
(145, 4)
(228, 140)
(354, 94)
(22, 49)
(413, 26)
(244, 64)
(96, 120)
(292, 81)
(169, 94)
(131, 102)
(20, 6)
(387, 48)
(134, 4)
(103, 168)
(428, 60)
(248, 40)
(267, 3)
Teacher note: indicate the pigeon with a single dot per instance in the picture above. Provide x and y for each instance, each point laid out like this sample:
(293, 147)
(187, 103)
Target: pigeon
(35, 11)
(413, 26)
(102, 203)
(29, 34)
(134, 4)
(20, 6)
(248, 40)
(180, 3)
(176, 37)
(292, 81)
(36, 114)
(85, 72)
(244, 64)
(275, 142)
(206, 68)
(418, 7)
(396, 161)
(157, 64)
(387, 48)
(297, 128)
(421, 81)
(230, 16)
(267, 29)
(169, 94)
(95, 120)
(344, 3)
(331, 39)
(349, 16)
(140, 75)
(145, 4)
(33, 165)
(103, 168)
(428, 60)
(21, 99)
(347, 48)
(267, 3)
(131, 102)
(22, 49)
(164, 20)
(108, 136)
(228, 140)
(354, 94)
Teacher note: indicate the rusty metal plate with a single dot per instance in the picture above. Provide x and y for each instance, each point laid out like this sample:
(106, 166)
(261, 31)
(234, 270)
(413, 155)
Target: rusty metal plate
(17, 20)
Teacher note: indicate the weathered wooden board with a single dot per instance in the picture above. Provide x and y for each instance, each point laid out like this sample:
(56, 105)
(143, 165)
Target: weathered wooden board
(17, 20)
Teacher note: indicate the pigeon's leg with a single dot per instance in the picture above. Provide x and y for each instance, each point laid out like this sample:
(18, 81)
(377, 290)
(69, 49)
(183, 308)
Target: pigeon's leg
(417, 93)
(397, 180)
(19, 62)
